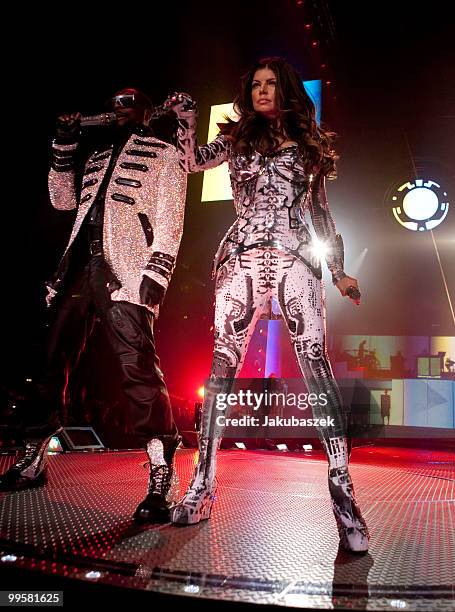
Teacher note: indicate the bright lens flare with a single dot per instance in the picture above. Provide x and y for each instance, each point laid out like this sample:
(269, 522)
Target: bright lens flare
(201, 392)
(319, 248)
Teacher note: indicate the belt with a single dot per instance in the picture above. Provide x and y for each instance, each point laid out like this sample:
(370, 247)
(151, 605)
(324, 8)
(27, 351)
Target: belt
(95, 247)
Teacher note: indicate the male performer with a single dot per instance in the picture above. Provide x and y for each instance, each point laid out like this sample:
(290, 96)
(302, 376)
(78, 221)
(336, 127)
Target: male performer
(117, 265)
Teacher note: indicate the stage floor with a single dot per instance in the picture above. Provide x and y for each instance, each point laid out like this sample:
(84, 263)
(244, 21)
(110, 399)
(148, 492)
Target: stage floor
(272, 537)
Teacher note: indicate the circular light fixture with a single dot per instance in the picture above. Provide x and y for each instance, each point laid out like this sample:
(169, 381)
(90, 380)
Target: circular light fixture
(420, 205)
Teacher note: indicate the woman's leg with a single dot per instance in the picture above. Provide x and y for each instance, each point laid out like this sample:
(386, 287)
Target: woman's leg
(301, 299)
(239, 301)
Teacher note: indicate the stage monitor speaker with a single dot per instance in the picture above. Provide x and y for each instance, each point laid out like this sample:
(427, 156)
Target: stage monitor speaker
(79, 438)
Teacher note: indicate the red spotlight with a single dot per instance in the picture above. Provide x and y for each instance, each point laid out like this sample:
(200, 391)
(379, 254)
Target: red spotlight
(201, 392)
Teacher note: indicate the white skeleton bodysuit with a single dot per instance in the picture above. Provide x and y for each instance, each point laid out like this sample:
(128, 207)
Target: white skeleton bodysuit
(267, 253)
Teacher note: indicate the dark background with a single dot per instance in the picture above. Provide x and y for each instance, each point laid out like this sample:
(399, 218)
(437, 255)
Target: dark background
(391, 99)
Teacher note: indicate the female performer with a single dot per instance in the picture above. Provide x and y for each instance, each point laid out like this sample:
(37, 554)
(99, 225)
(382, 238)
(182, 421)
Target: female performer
(278, 161)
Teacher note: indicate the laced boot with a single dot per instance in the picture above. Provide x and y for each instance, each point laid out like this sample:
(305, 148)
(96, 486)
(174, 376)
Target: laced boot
(162, 485)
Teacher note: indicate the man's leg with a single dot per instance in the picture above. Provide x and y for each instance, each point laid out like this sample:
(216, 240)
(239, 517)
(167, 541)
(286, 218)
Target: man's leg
(301, 300)
(129, 329)
(66, 336)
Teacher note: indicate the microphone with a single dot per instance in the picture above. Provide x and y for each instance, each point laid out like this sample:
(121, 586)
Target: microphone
(101, 119)
(108, 118)
(160, 110)
(353, 293)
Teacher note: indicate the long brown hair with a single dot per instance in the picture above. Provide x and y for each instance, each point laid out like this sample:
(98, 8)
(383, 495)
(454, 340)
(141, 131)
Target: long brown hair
(253, 131)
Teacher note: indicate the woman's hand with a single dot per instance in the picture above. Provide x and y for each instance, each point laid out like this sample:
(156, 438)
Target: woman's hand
(180, 103)
(345, 284)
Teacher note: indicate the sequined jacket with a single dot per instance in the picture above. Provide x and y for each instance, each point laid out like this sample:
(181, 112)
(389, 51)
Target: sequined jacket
(271, 196)
(143, 211)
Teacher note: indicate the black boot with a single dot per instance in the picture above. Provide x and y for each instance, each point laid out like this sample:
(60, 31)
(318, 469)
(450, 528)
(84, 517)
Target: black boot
(31, 470)
(161, 493)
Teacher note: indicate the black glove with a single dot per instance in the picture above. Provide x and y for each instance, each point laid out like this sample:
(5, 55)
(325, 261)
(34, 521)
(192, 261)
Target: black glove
(151, 292)
(68, 128)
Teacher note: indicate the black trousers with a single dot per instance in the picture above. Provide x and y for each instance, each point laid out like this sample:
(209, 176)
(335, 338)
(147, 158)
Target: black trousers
(129, 330)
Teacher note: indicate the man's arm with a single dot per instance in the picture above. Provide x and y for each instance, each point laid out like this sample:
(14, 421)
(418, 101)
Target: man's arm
(168, 229)
(61, 179)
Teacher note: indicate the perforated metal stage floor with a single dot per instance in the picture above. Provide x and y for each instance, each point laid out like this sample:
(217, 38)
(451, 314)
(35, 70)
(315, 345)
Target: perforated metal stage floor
(272, 537)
